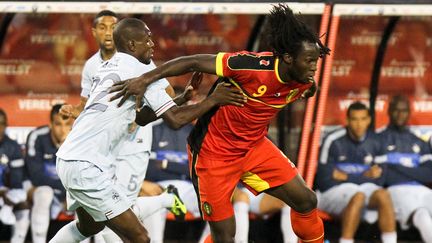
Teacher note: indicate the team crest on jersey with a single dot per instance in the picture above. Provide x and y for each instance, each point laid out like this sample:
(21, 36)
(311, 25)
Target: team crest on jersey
(416, 148)
(264, 62)
(4, 159)
(368, 159)
(115, 196)
(207, 208)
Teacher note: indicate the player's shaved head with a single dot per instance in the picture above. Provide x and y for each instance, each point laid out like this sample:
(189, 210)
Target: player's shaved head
(126, 30)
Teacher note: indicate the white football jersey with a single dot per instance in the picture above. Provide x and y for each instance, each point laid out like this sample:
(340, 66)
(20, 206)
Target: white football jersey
(89, 70)
(102, 127)
(141, 139)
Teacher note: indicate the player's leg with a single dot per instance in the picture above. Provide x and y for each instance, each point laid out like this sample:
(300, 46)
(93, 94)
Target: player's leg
(422, 220)
(100, 199)
(223, 231)
(130, 174)
(268, 205)
(268, 169)
(409, 202)
(380, 200)
(286, 227)
(133, 231)
(345, 201)
(214, 181)
(78, 230)
(40, 213)
(20, 228)
(304, 217)
(155, 225)
(351, 217)
(240, 201)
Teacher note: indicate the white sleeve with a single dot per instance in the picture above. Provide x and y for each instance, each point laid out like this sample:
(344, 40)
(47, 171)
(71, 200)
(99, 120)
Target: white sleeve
(155, 96)
(157, 99)
(147, 68)
(86, 81)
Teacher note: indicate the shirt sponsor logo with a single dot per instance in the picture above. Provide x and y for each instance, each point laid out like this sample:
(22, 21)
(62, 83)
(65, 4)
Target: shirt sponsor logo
(4, 159)
(163, 144)
(48, 156)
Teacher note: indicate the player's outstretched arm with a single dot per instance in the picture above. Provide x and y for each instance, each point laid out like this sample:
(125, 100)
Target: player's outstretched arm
(205, 63)
(177, 117)
(191, 86)
(146, 115)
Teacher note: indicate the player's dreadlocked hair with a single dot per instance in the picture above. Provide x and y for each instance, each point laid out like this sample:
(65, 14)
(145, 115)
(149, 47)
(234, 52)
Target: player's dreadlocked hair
(286, 32)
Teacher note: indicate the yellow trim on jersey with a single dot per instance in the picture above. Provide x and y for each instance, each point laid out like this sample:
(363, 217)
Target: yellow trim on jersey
(313, 239)
(219, 64)
(256, 100)
(254, 181)
(276, 70)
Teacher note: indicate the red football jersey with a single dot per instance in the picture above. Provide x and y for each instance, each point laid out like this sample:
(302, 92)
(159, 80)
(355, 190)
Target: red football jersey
(233, 130)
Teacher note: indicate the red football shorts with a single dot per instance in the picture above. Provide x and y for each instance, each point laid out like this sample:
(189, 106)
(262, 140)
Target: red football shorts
(263, 167)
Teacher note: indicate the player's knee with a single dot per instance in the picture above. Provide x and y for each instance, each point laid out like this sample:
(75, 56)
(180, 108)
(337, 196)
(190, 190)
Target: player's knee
(43, 195)
(89, 230)
(240, 196)
(142, 238)
(358, 198)
(308, 203)
(223, 236)
(382, 196)
(357, 201)
(223, 231)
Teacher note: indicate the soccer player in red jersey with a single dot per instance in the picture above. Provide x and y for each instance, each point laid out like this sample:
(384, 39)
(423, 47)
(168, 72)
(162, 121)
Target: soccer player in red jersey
(228, 144)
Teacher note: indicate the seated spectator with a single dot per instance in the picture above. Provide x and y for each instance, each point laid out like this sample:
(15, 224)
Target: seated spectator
(408, 161)
(12, 194)
(46, 194)
(348, 180)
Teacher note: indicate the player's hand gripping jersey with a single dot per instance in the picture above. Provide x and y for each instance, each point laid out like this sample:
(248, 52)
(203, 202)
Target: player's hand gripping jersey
(232, 131)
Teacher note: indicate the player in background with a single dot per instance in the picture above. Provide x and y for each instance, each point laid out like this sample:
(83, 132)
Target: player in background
(14, 209)
(228, 144)
(350, 184)
(46, 194)
(85, 161)
(408, 160)
(103, 26)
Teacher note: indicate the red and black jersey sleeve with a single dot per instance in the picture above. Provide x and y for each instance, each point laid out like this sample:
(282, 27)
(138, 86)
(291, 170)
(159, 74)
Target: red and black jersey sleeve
(241, 65)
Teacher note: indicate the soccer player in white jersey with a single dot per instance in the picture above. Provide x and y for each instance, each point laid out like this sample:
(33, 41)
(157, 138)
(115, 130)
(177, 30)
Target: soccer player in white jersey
(133, 158)
(85, 160)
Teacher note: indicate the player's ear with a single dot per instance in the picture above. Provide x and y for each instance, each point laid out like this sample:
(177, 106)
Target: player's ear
(94, 32)
(131, 45)
(287, 58)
